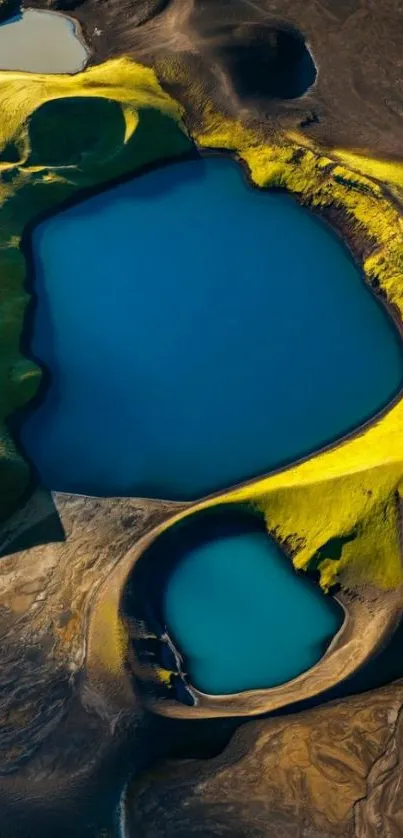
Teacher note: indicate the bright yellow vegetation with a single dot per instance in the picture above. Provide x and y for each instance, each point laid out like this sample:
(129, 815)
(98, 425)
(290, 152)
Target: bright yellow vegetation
(320, 182)
(163, 675)
(111, 641)
(60, 135)
(351, 490)
(119, 80)
(386, 171)
(389, 172)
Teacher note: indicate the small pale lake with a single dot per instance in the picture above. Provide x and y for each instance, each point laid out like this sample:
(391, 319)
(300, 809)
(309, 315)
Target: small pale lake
(41, 42)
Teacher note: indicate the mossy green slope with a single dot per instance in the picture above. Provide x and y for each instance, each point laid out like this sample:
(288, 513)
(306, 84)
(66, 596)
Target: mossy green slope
(61, 135)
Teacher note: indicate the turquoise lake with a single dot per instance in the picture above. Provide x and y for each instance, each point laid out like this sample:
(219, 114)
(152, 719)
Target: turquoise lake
(198, 333)
(233, 604)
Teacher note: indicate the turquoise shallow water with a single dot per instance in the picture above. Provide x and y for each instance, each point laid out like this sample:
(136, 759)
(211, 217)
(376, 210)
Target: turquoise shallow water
(198, 332)
(234, 605)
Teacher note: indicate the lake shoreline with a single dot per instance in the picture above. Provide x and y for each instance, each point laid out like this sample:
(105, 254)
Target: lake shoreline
(235, 537)
(26, 246)
(196, 153)
(371, 617)
(343, 230)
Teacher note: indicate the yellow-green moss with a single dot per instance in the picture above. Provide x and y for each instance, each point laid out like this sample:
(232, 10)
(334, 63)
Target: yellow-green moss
(321, 182)
(352, 488)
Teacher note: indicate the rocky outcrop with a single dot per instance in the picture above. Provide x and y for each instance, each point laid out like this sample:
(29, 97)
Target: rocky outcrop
(331, 772)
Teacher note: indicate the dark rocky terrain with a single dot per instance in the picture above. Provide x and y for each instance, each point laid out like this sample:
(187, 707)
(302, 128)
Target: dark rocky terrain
(332, 772)
(66, 749)
(356, 45)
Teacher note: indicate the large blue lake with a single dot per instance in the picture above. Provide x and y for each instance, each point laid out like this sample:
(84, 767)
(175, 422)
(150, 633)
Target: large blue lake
(198, 332)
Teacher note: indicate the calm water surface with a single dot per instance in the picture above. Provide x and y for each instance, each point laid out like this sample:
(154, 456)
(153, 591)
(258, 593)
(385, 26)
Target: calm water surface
(234, 605)
(41, 42)
(198, 333)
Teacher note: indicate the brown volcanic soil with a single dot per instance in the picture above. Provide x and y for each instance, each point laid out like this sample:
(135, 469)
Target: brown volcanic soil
(332, 772)
(357, 46)
(66, 749)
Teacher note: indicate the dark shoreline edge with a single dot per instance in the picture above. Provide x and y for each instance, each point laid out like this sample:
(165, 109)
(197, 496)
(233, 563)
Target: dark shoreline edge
(341, 230)
(339, 227)
(147, 582)
(14, 420)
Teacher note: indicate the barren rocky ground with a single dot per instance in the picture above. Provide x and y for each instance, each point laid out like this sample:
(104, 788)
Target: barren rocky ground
(357, 100)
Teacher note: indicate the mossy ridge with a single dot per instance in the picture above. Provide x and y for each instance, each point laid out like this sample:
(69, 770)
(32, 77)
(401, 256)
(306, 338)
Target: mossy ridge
(320, 182)
(315, 175)
(59, 135)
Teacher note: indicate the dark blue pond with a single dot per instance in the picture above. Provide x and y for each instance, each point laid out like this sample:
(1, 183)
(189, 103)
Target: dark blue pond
(198, 332)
